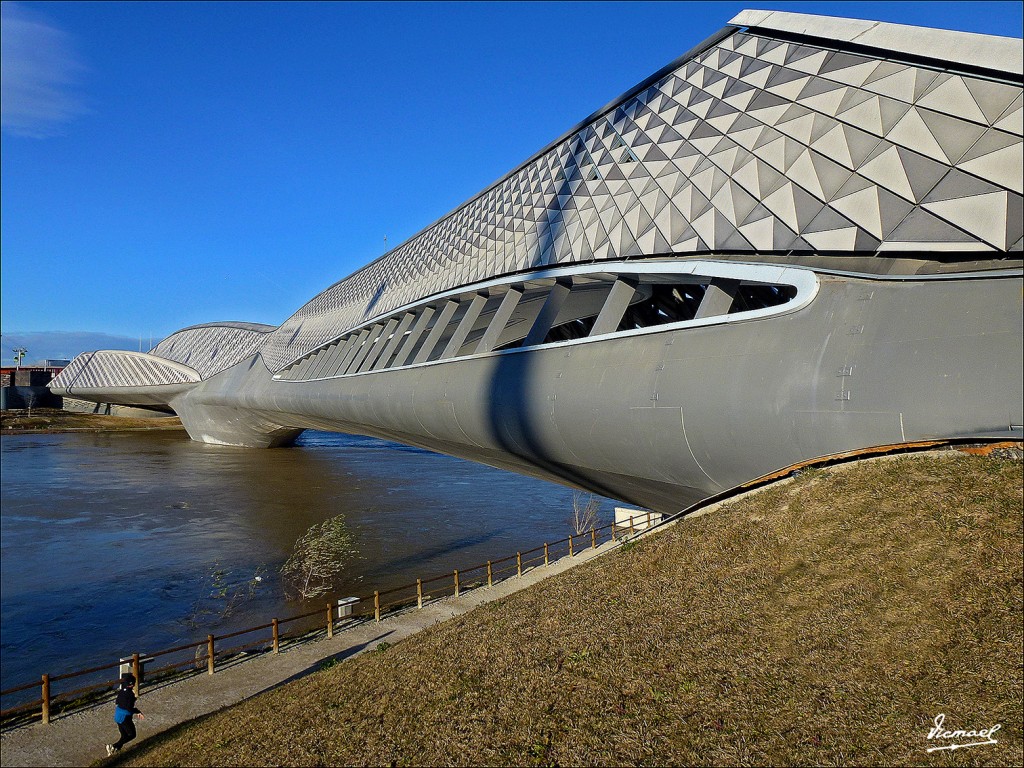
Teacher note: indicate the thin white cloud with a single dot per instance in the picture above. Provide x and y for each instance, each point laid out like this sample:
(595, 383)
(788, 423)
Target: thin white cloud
(38, 74)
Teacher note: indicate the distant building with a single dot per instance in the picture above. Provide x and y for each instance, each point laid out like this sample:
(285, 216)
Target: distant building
(25, 386)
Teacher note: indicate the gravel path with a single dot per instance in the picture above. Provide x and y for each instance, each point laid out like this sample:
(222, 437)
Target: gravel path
(79, 738)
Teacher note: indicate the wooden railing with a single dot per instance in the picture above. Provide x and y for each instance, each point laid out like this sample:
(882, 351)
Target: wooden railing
(407, 596)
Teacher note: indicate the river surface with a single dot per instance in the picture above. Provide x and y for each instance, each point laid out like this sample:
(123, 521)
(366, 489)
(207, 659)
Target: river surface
(114, 543)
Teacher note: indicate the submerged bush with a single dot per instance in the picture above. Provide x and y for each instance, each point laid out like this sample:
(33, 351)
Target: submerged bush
(320, 556)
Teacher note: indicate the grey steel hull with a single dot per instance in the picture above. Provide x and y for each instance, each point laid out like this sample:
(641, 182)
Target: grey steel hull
(671, 417)
(799, 239)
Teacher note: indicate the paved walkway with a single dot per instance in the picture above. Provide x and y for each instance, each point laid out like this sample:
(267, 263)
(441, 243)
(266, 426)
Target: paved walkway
(79, 738)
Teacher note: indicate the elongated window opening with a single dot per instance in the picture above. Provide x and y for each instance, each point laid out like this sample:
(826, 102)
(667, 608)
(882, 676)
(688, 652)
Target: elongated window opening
(751, 296)
(666, 304)
(654, 301)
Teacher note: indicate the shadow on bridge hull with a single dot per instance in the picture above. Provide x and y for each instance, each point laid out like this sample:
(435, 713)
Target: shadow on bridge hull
(668, 418)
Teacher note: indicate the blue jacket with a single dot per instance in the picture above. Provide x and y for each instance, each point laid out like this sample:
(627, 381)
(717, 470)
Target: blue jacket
(125, 705)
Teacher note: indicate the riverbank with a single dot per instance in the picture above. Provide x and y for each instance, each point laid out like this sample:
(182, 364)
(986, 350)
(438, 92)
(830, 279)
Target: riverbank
(825, 619)
(42, 421)
(78, 738)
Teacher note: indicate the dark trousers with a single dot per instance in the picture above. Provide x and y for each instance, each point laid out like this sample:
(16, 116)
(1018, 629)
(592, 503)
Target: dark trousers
(127, 729)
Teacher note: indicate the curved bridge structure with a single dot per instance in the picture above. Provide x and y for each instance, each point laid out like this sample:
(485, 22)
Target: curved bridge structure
(803, 237)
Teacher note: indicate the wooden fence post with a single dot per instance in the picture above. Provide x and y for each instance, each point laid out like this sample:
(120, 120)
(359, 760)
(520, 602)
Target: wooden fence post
(46, 699)
(419, 593)
(613, 533)
(456, 582)
(137, 673)
(210, 652)
(376, 605)
(545, 553)
(519, 564)
(648, 519)
(330, 621)
(488, 573)
(571, 553)
(593, 538)
(631, 531)
(277, 636)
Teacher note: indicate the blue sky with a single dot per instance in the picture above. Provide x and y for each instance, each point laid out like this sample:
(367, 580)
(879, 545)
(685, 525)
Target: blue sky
(165, 164)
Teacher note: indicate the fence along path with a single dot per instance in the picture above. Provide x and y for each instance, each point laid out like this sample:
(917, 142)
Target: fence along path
(77, 737)
(408, 596)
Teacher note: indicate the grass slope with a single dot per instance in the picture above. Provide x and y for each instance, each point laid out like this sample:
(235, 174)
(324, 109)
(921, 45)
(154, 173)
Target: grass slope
(826, 620)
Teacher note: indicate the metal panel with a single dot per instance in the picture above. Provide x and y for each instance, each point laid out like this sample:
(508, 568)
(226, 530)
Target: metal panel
(373, 334)
(498, 322)
(346, 364)
(346, 347)
(465, 326)
(337, 351)
(395, 340)
(322, 357)
(615, 306)
(414, 336)
(439, 328)
(378, 345)
(718, 298)
(558, 293)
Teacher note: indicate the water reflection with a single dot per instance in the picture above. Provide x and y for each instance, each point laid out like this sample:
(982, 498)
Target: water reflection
(109, 540)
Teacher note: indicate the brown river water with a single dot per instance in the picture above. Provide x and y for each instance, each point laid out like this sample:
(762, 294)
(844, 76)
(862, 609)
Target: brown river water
(114, 543)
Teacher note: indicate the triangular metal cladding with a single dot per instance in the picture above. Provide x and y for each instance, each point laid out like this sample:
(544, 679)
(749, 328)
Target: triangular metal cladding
(742, 203)
(891, 112)
(705, 130)
(793, 112)
(750, 66)
(766, 44)
(957, 184)
(922, 227)
(653, 153)
(797, 52)
(996, 157)
(949, 93)
(901, 84)
(798, 244)
(827, 220)
(783, 76)
(882, 71)
(839, 61)
(821, 125)
(831, 176)
(921, 172)
(721, 109)
(853, 98)
(953, 136)
(991, 97)
(711, 77)
(698, 97)
(817, 86)
(765, 100)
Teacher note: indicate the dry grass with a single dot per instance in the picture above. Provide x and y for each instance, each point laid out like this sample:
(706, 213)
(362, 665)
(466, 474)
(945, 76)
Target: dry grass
(56, 420)
(825, 620)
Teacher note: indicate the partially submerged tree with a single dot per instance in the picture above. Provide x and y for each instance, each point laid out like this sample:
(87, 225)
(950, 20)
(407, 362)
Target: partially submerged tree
(318, 559)
(585, 508)
(221, 592)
